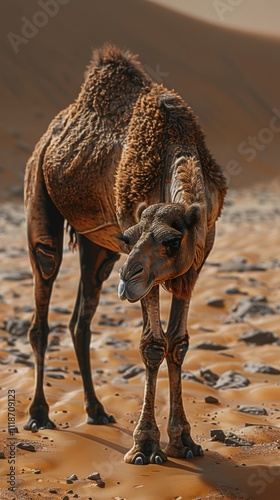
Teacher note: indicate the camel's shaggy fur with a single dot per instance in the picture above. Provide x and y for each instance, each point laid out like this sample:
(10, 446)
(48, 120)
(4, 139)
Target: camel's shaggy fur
(126, 165)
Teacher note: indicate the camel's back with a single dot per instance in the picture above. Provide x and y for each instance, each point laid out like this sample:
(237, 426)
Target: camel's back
(80, 162)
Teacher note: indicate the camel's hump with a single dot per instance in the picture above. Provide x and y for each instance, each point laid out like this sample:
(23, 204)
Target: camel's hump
(111, 57)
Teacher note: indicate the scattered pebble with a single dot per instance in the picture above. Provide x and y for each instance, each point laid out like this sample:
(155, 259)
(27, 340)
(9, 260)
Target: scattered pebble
(249, 307)
(209, 376)
(233, 290)
(187, 375)
(229, 438)
(16, 326)
(61, 310)
(240, 265)
(234, 440)
(216, 302)
(211, 400)
(231, 380)
(209, 345)
(26, 446)
(258, 367)
(100, 483)
(133, 371)
(217, 435)
(258, 337)
(253, 410)
(17, 275)
(94, 476)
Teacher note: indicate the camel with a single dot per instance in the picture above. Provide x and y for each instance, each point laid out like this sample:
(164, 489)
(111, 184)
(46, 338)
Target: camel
(127, 167)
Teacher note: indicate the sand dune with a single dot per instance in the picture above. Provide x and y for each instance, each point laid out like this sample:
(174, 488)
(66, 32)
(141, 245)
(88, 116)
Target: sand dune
(230, 78)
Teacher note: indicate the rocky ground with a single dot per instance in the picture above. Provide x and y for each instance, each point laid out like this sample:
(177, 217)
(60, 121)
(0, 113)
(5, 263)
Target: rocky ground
(231, 377)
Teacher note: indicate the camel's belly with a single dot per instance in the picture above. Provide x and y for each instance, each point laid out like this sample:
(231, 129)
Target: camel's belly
(106, 235)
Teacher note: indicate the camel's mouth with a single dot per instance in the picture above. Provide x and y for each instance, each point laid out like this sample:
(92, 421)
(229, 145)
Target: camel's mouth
(134, 289)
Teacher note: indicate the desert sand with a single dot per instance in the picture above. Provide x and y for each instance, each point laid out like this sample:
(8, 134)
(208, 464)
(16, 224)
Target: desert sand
(230, 78)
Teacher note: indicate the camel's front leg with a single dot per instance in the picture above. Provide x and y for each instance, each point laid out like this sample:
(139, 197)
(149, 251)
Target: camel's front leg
(180, 444)
(146, 448)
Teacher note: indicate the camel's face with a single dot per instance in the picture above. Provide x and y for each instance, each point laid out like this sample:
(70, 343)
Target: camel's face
(161, 247)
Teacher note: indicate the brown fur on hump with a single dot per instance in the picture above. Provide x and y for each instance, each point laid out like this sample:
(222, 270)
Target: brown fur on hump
(160, 119)
(81, 159)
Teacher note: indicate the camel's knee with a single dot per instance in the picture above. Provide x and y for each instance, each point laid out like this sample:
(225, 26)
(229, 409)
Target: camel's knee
(177, 352)
(47, 257)
(153, 354)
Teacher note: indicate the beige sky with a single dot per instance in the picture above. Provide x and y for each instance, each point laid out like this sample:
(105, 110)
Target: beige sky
(258, 15)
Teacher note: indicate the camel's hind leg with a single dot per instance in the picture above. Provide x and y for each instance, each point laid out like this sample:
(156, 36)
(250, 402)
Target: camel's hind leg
(45, 239)
(96, 264)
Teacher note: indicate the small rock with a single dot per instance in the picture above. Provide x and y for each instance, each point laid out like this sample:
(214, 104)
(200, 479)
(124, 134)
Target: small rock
(258, 337)
(17, 275)
(61, 310)
(110, 321)
(2, 456)
(100, 483)
(209, 346)
(73, 477)
(233, 290)
(217, 435)
(187, 375)
(240, 266)
(125, 366)
(16, 326)
(231, 380)
(252, 306)
(133, 371)
(257, 367)
(53, 491)
(94, 476)
(56, 376)
(211, 400)
(26, 446)
(216, 302)
(209, 376)
(234, 440)
(37, 471)
(253, 410)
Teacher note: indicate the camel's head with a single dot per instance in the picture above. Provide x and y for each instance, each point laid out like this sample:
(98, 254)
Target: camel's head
(161, 247)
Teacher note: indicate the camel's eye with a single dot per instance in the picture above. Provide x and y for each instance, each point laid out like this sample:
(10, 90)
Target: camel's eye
(172, 244)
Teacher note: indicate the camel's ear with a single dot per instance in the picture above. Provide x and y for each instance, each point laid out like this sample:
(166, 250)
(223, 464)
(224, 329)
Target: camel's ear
(193, 216)
(138, 212)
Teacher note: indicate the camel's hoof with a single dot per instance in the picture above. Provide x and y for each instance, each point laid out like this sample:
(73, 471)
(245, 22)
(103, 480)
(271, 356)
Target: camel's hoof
(139, 460)
(34, 425)
(195, 452)
(101, 420)
(157, 459)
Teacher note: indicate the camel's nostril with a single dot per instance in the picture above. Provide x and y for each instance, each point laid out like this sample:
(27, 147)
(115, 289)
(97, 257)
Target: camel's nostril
(134, 272)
